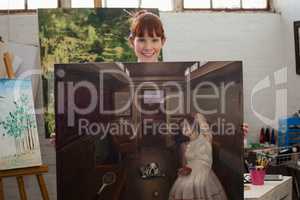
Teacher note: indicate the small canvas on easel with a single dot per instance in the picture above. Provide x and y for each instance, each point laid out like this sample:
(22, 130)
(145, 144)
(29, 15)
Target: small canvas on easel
(19, 143)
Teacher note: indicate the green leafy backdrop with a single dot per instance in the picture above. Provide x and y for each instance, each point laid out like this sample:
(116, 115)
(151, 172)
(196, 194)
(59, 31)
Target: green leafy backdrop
(80, 35)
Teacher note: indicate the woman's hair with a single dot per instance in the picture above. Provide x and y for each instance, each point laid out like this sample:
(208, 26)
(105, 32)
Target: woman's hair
(144, 21)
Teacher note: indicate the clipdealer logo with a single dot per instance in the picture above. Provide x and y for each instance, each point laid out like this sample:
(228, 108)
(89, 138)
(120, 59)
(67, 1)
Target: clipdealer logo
(280, 80)
(68, 103)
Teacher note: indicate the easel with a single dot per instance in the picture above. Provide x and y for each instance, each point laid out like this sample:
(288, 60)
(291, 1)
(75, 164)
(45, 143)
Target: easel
(19, 173)
(8, 65)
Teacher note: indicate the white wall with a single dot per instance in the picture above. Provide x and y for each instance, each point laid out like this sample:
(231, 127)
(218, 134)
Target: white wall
(19, 28)
(254, 38)
(21, 34)
(290, 12)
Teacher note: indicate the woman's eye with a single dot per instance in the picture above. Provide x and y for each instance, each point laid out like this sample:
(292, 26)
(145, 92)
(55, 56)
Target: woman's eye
(155, 40)
(141, 40)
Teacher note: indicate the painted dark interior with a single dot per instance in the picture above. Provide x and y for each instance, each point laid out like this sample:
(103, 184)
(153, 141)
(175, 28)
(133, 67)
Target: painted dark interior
(82, 160)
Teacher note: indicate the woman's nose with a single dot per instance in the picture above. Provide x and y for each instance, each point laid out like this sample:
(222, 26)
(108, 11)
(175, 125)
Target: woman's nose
(148, 45)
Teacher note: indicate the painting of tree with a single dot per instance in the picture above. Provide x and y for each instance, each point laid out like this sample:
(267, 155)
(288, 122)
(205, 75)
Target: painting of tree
(19, 138)
(80, 35)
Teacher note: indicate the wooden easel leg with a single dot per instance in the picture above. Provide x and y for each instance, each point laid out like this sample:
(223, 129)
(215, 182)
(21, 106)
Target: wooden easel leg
(43, 187)
(1, 190)
(21, 186)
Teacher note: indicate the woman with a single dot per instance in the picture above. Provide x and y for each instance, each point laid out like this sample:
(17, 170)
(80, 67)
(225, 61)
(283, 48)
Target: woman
(147, 36)
(196, 180)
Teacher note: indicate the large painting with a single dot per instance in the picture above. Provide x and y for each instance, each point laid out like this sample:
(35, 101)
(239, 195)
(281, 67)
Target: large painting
(149, 153)
(19, 143)
(77, 36)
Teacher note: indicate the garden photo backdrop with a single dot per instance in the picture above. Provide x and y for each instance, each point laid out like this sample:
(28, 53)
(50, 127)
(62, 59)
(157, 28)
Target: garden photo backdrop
(81, 35)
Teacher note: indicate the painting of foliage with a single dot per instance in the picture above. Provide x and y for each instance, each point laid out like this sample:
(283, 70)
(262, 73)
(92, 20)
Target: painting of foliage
(80, 35)
(19, 143)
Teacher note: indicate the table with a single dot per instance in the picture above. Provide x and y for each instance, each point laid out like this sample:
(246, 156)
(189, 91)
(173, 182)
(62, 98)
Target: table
(271, 190)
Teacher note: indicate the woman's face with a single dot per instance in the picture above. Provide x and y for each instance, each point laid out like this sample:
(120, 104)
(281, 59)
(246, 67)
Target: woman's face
(147, 48)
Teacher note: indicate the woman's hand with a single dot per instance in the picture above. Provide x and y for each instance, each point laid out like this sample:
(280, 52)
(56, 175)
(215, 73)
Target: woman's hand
(245, 130)
(184, 171)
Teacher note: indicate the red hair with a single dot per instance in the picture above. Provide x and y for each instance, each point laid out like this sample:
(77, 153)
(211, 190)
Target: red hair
(144, 21)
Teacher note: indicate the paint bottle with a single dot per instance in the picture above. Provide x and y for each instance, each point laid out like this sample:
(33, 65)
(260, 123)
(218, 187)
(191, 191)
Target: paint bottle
(267, 135)
(262, 136)
(273, 136)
